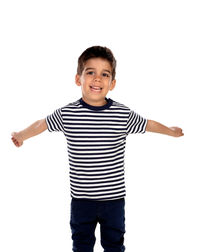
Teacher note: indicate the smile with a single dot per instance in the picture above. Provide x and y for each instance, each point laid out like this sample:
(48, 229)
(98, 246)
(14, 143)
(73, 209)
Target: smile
(95, 89)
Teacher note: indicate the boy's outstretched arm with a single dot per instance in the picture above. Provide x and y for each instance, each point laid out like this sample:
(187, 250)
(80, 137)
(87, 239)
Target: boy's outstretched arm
(33, 130)
(153, 126)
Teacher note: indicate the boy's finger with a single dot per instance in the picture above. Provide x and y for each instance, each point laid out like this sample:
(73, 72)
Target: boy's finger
(15, 142)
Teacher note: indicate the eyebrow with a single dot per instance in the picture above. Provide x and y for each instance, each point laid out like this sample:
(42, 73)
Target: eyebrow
(91, 68)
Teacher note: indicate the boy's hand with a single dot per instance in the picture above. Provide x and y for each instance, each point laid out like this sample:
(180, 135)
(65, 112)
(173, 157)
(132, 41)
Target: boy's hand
(177, 132)
(17, 139)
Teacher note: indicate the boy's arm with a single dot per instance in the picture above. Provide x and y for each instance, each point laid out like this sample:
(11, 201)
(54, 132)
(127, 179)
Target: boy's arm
(33, 130)
(153, 126)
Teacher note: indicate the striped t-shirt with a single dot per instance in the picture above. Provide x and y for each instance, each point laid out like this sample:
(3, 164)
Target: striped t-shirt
(96, 138)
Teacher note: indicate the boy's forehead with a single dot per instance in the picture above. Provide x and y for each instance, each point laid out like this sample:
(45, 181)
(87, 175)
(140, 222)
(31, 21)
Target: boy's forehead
(97, 63)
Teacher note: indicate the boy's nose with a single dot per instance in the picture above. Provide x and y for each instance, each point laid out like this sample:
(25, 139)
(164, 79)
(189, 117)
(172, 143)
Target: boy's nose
(97, 78)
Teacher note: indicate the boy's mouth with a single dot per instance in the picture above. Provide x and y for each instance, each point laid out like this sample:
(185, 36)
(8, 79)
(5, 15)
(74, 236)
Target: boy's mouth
(95, 89)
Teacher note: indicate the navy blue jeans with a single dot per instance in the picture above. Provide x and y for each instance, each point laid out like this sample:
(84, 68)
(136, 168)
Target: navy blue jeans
(85, 214)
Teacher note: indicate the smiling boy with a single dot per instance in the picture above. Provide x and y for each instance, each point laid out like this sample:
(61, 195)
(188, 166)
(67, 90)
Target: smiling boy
(96, 128)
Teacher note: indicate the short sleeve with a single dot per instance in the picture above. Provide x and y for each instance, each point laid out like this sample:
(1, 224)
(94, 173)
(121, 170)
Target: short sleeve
(54, 121)
(136, 123)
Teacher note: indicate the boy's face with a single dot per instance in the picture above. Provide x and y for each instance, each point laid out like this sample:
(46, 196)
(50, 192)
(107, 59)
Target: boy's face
(96, 81)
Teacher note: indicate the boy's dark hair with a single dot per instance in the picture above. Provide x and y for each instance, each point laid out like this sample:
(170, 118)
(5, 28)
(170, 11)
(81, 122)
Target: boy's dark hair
(97, 52)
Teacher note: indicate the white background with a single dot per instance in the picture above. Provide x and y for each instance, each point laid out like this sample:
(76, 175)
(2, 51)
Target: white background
(156, 44)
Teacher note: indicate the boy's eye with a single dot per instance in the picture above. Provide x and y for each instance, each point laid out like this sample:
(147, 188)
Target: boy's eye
(105, 75)
(90, 72)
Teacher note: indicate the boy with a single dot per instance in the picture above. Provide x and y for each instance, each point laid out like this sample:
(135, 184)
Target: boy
(95, 128)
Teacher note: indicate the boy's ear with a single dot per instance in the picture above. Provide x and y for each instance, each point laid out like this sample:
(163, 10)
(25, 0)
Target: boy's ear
(78, 80)
(113, 83)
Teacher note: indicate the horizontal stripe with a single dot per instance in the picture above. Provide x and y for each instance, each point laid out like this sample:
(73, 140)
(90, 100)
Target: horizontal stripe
(97, 189)
(97, 170)
(96, 182)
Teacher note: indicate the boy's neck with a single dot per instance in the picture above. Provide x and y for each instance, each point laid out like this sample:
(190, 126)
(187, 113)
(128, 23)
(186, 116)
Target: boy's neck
(95, 103)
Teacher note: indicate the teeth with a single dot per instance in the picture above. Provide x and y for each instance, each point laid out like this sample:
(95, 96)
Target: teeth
(96, 88)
